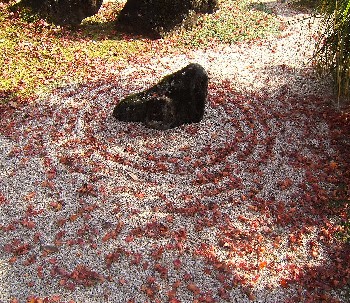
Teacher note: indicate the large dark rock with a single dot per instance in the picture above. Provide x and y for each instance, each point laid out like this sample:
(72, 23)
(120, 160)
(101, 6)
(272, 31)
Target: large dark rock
(154, 18)
(63, 12)
(177, 99)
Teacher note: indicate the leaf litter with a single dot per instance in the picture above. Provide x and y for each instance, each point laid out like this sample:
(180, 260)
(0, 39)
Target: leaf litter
(232, 209)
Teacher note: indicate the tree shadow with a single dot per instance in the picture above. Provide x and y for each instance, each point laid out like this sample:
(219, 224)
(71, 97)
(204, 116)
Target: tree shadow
(8, 96)
(94, 28)
(261, 6)
(291, 8)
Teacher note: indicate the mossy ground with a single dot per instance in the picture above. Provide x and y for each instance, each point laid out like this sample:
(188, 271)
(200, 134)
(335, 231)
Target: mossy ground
(37, 56)
(235, 21)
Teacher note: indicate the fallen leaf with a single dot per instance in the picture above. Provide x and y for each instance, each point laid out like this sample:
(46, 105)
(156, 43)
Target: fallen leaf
(333, 165)
(284, 283)
(262, 264)
(30, 196)
(193, 288)
(49, 249)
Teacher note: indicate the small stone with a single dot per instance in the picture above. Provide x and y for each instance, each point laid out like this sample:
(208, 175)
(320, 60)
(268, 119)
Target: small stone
(133, 177)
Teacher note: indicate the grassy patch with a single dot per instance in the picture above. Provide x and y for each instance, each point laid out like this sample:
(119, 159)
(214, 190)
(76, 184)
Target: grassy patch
(306, 4)
(235, 21)
(36, 56)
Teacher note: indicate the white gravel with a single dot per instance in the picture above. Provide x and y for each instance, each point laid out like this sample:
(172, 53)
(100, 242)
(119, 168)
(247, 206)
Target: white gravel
(222, 199)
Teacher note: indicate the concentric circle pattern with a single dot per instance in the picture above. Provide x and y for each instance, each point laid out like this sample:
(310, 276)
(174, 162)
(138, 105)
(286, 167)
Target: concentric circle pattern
(235, 208)
(221, 210)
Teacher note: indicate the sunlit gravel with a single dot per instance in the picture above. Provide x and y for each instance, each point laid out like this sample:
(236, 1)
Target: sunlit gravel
(226, 210)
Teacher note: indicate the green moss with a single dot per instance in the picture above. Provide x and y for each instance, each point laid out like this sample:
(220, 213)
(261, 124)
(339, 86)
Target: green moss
(36, 57)
(234, 21)
(306, 4)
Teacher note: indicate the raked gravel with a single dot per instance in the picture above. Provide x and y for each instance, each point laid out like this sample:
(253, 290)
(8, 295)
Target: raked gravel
(70, 173)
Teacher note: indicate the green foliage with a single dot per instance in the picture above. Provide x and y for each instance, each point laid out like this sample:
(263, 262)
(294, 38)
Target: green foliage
(333, 49)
